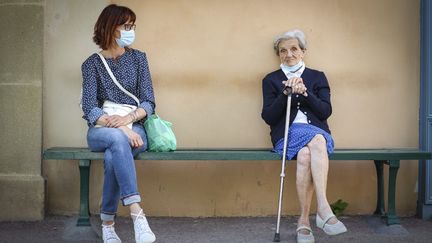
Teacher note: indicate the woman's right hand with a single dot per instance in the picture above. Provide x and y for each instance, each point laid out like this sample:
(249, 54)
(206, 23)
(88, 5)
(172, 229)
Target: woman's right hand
(135, 139)
(118, 121)
(102, 121)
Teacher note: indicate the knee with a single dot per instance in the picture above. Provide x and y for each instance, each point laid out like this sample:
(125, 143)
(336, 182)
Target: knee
(303, 157)
(118, 137)
(119, 142)
(317, 143)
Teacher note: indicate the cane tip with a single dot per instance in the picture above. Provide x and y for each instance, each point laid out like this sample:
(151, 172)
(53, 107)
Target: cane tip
(276, 237)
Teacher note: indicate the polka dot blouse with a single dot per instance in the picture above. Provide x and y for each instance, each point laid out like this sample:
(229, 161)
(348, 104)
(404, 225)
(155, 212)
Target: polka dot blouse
(131, 71)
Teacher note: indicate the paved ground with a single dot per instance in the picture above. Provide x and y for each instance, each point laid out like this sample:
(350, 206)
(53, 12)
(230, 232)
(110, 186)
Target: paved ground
(361, 229)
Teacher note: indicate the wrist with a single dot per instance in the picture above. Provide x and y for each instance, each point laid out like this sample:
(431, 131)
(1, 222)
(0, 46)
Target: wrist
(102, 120)
(123, 128)
(131, 117)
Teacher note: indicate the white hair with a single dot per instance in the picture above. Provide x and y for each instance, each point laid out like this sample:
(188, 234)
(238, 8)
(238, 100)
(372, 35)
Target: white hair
(292, 34)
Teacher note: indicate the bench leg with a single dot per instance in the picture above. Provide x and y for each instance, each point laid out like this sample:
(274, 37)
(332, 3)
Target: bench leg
(379, 164)
(391, 215)
(84, 215)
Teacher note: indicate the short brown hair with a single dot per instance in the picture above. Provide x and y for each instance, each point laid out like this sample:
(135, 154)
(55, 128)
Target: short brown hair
(111, 17)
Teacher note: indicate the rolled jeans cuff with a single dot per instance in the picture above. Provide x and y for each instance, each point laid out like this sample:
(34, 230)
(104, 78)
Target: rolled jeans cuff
(107, 217)
(131, 199)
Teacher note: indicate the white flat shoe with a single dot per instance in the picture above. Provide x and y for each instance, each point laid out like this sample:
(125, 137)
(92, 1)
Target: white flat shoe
(302, 238)
(330, 229)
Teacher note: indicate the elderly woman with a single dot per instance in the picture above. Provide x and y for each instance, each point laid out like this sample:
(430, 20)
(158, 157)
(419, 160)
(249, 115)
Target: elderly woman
(119, 136)
(309, 138)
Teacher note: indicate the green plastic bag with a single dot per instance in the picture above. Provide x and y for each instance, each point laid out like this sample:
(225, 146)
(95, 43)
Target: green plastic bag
(160, 136)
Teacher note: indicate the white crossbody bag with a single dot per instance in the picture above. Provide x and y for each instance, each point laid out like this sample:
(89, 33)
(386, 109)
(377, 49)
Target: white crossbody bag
(112, 108)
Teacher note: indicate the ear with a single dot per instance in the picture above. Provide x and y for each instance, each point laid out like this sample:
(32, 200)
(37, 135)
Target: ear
(117, 33)
(303, 53)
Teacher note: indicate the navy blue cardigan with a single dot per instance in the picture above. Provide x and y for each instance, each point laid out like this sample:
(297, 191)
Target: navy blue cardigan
(316, 106)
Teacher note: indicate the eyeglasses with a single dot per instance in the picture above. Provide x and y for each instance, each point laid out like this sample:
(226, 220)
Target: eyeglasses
(129, 27)
(294, 51)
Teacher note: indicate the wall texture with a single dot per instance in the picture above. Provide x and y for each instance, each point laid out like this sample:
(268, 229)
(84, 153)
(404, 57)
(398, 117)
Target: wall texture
(207, 59)
(21, 183)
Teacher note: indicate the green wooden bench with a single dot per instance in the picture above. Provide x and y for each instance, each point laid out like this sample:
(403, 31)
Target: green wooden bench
(391, 157)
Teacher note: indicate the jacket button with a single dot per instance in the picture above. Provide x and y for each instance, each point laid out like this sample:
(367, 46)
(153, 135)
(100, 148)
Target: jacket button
(298, 103)
(298, 107)
(305, 112)
(296, 96)
(309, 121)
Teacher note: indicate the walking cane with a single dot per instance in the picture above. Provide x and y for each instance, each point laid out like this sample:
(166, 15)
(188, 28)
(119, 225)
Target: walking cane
(282, 175)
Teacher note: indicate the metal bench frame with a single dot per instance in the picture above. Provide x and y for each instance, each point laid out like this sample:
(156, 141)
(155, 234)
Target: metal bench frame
(390, 157)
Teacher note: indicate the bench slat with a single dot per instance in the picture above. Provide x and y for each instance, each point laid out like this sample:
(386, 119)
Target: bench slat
(64, 153)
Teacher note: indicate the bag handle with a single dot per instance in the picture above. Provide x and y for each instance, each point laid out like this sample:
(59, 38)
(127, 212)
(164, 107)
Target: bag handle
(115, 80)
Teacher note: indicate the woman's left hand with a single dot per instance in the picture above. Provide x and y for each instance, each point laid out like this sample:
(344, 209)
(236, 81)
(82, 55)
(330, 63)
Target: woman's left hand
(297, 86)
(118, 121)
(135, 139)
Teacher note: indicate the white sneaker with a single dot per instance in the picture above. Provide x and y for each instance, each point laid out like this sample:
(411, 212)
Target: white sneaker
(143, 233)
(109, 235)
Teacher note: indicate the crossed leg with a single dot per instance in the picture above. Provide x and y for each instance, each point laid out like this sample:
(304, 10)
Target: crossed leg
(312, 171)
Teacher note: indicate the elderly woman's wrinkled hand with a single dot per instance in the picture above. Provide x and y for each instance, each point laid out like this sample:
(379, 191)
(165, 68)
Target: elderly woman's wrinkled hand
(297, 86)
(293, 81)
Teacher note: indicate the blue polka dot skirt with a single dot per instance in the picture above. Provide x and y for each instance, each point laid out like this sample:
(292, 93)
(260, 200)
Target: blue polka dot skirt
(299, 135)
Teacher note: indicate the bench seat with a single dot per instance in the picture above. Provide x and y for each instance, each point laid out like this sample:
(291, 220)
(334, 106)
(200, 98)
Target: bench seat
(388, 156)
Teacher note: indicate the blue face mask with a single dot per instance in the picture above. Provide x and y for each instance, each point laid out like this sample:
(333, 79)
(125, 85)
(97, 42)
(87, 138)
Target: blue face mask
(127, 37)
(292, 68)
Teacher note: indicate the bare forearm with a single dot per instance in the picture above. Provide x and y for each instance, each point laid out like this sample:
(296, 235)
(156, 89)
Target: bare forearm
(117, 121)
(138, 114)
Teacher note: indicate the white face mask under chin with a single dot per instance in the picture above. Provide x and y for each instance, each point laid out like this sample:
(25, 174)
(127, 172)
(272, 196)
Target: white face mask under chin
(127, 37)
(292, 68)
(293, 71)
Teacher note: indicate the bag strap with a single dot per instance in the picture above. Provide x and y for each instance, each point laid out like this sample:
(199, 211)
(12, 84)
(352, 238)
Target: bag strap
(115, 80)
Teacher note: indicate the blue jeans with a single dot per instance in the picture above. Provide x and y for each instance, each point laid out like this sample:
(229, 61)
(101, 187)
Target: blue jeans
(119, 167)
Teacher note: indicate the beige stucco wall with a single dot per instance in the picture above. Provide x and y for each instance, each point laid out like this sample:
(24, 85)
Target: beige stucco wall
(207, 59)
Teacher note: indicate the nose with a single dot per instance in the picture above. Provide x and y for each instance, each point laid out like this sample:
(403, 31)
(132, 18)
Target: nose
(290, 53)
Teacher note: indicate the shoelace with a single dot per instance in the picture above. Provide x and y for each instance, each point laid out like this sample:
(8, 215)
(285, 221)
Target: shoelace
(141, 222)
(109, 232)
